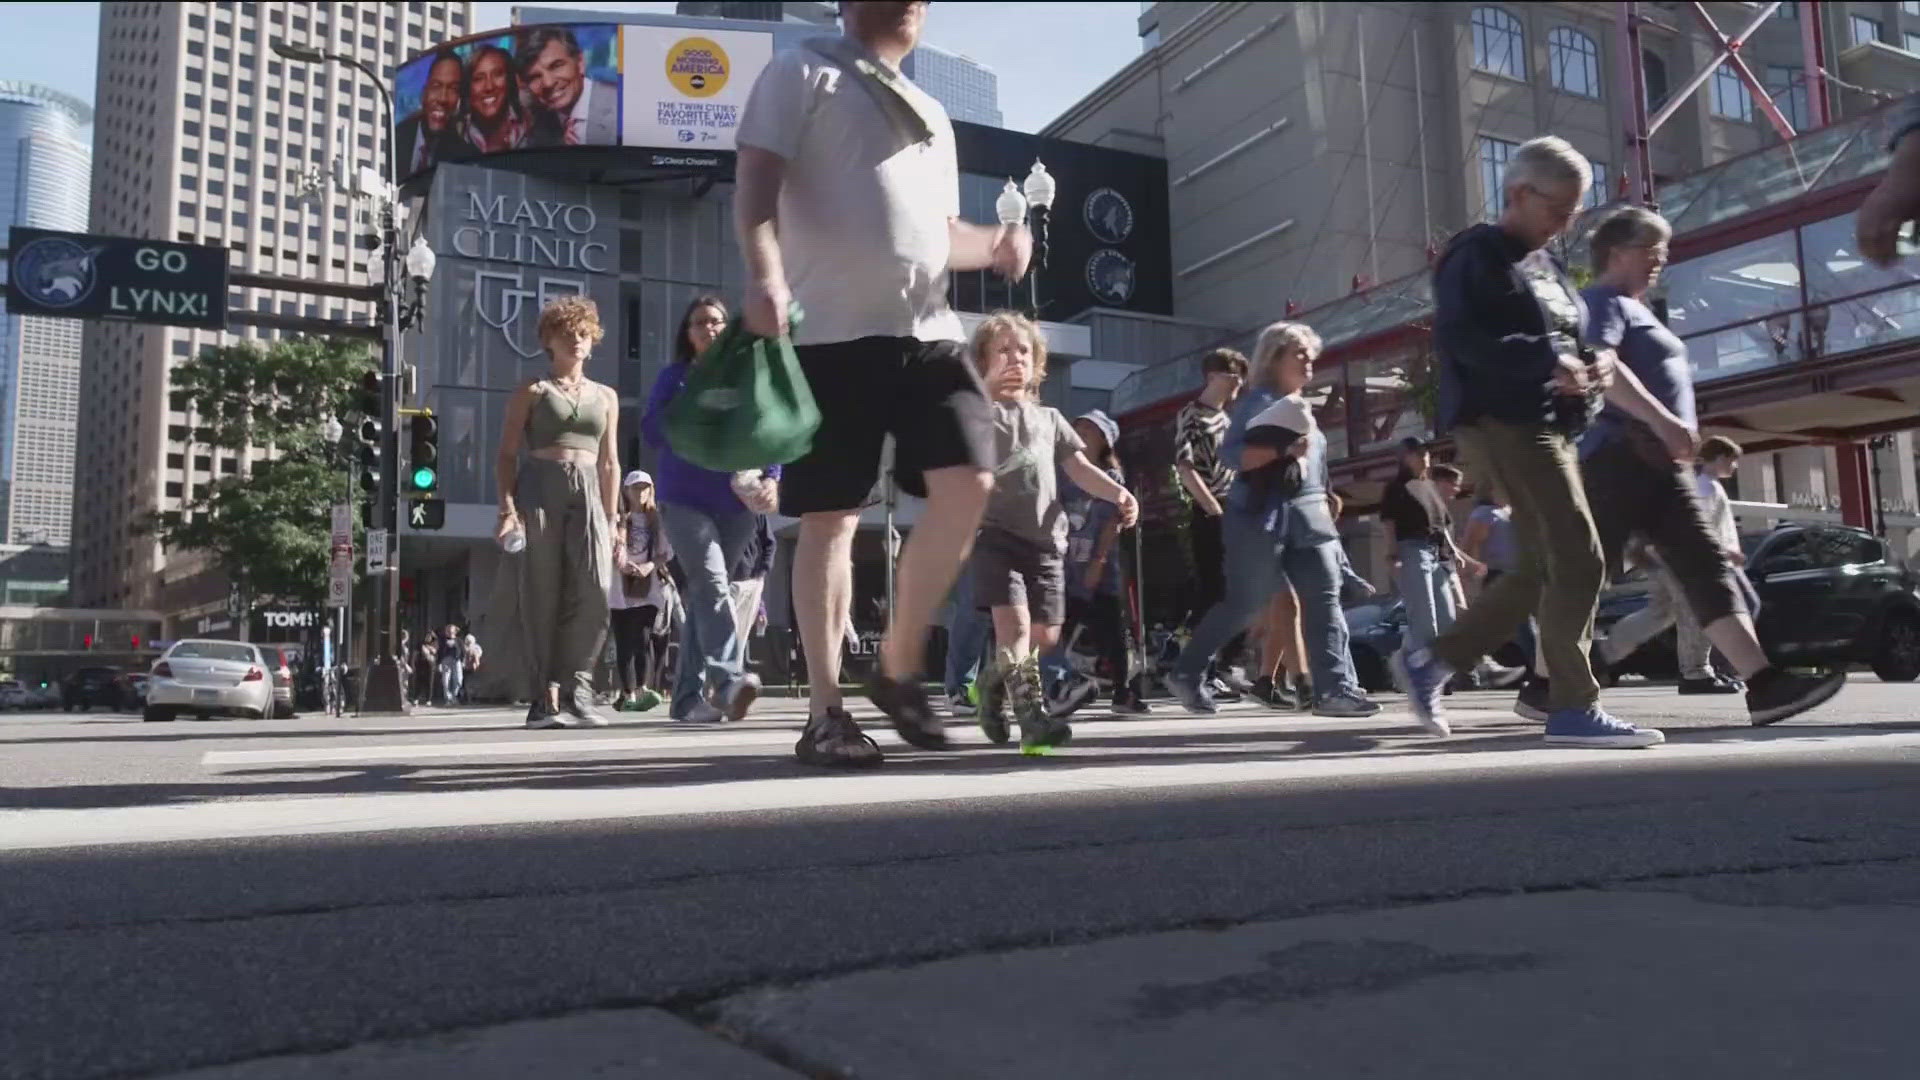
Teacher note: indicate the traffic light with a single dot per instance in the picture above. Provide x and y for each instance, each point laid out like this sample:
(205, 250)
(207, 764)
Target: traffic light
(371, 435)
(86, 641)
(136, 643)
(423, 460)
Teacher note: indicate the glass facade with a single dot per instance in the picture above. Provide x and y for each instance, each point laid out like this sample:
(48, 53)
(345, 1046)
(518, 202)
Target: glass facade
(45, 165)
(962, 86)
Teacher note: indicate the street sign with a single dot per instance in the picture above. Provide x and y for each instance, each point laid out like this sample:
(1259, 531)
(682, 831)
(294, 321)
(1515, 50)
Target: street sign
(426, 514)
(80, 276)
(342, 525)
(236, 604)
(377, 551)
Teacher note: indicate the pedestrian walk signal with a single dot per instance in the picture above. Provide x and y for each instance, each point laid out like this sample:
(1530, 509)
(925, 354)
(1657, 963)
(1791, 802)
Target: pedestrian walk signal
(423, 471)
(426, 514)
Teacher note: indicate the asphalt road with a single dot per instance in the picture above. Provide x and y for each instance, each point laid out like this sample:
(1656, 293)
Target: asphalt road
(207, 892)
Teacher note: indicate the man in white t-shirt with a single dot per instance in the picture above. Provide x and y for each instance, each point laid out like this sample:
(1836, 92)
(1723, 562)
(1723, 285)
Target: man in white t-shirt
(848, 202)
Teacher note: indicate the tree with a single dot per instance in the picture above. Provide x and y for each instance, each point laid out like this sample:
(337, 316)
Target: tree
(267, 527)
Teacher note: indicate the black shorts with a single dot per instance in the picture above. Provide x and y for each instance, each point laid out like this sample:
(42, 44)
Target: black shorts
(925, 394)
(1010, 571)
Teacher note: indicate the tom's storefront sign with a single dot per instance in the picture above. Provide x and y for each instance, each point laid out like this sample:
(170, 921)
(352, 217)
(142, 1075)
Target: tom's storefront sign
(78, 276)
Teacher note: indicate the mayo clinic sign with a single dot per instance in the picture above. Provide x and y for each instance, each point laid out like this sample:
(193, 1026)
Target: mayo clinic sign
(536, 232)
(527, 241)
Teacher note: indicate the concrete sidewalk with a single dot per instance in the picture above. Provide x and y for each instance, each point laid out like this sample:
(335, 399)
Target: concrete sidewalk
(1573, 985)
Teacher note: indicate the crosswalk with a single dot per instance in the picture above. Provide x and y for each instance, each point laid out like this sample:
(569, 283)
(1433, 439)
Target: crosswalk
(1107, 757)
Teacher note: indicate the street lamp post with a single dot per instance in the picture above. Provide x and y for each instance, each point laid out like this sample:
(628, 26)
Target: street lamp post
(385, 686)
(1011, 209)
(1039, 191)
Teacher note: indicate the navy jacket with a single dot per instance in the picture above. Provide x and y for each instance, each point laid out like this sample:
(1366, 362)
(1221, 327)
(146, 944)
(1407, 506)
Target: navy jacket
(1491, 334)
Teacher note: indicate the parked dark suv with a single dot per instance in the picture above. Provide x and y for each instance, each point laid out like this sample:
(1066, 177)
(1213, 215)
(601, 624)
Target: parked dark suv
(91, 686)
(1832, 594)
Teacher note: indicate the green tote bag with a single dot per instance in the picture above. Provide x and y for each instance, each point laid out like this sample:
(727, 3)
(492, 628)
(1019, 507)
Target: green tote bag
(745, 404)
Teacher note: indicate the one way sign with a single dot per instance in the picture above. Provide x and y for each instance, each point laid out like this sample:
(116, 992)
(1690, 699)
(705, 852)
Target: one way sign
(426, 514)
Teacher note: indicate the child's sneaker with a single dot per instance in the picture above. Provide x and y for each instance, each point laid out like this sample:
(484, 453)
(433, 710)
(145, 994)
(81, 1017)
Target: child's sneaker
(1037, 729)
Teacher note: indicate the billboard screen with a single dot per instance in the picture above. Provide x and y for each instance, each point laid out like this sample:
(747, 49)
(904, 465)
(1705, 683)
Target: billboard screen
(551, 86)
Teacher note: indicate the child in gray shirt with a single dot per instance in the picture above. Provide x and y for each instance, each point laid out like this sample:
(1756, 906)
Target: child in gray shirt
(1018, 557)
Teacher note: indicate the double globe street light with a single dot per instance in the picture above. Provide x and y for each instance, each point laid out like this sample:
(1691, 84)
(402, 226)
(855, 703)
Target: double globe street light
(1012, 208)
(402, 304)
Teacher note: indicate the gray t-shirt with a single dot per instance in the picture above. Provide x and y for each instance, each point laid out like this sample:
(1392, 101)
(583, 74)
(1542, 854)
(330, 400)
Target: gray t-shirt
(863, 213)
(1030, 441)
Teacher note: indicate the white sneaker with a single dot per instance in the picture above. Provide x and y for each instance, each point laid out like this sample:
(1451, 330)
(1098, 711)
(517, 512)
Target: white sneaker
(958, 705)
(1492, 676)
(740, 695)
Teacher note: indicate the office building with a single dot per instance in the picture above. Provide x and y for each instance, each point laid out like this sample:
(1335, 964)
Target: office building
(814, 13)
(45, 156)
(966, 88)
(1316, 146)
(203, 135)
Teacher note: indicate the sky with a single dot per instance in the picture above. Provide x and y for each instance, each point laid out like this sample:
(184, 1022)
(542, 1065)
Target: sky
(55, 45)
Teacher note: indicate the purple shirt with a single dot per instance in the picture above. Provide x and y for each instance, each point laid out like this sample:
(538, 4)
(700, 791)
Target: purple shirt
(676, 480)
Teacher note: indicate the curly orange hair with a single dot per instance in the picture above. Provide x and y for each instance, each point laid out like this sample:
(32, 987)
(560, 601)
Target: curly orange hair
(567, 314)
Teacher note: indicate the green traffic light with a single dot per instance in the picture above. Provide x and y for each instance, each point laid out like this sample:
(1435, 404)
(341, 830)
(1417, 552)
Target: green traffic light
(424, 478)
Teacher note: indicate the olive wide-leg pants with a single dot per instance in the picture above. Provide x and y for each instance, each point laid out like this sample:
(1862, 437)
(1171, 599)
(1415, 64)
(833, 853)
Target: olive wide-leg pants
(565, 573)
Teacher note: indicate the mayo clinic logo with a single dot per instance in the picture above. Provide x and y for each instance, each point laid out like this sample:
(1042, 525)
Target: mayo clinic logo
(697, 67)
(55, 272)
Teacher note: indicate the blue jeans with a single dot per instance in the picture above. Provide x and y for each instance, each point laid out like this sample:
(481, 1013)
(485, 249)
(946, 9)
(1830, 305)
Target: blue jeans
(967, 628)
(1258, 562)
(706, 547)
(1426, 584)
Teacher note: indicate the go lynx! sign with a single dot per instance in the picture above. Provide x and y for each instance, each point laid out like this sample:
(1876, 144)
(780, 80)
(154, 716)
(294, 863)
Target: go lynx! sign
(79, 276)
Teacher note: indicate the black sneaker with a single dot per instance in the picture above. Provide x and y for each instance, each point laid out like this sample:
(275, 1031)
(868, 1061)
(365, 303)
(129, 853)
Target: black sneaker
(905, 703)
(836, 742)
(1128, 702)
(540, 719)
(1774, 695)
(1303, 693)
(1711, 686)
(1534, 702)
(1271, 693)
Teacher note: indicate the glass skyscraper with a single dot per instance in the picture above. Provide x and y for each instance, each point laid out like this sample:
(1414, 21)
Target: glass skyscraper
(46, 160)
(967, 89)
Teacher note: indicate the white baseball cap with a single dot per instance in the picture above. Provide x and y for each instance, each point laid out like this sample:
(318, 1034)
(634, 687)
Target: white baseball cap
(637, 476)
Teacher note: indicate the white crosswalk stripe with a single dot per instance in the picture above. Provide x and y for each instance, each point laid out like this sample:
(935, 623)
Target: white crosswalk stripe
(349, 814)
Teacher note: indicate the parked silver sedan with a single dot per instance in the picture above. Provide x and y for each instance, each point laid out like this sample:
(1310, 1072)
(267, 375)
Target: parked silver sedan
(211, 678)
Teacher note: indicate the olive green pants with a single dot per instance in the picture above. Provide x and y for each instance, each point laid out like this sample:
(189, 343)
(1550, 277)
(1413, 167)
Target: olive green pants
(1559, 573)
(565, 573)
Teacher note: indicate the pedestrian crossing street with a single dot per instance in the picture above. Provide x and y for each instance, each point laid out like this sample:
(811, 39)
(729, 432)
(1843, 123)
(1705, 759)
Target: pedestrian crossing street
(459, 770)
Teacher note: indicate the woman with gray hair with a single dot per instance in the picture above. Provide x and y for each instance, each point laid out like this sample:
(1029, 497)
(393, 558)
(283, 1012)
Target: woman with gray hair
(1636, 461)
(1278, 528)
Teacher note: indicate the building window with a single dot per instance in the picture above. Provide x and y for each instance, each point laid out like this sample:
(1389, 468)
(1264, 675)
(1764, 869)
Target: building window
(195, 48)
(1653, 75)
(1910, 7)
(190, 127)
(1864, 29)
(1789, 93)
(1913, 42)
(1499, 43)
(1731, 100)
(1493, 166)
(192, 101)
(1601, 190)
(1573, 61)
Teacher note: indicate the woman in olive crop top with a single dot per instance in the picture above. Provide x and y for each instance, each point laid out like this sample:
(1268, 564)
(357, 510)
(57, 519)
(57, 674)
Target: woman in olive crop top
(563, 494)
